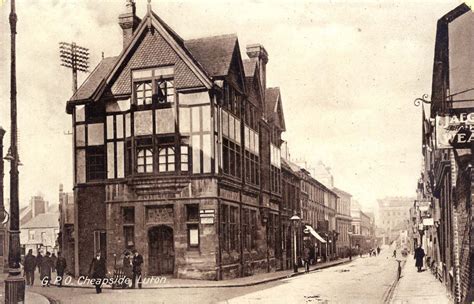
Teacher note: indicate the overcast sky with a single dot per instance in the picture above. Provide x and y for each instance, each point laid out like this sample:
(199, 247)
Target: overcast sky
(348, 71)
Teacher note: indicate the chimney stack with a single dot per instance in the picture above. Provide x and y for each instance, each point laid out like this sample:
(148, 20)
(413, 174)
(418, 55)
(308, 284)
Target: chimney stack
(129, 22)
(259, 52)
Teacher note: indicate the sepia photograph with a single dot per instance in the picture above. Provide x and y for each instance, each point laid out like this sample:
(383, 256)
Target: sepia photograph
(236, 152)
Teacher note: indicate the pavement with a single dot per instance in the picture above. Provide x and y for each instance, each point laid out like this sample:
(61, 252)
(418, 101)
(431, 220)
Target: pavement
(419, 287)
(30, 296)
(169, 282)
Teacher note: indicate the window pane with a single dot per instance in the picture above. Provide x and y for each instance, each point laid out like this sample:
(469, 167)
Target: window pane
(80, 135)
(95, 134)
(184, 120)
(196, 142)
(128, 131)
(143, 123)
(80, 166)
(257, 143)
(247, 137)
(165, 121)
(194, 98)
(110, 160)
(110, 127)
(119, 122)
(237, 130)
(80, 113)
(120, 159)
(225, 123)
(196, 121)
(184, 158)
(231, 127)
(206, 151)
(206, 118)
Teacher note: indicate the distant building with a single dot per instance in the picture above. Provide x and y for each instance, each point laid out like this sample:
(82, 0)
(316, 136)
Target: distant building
(323, 174)
(40, 232)
(394, 212)
(38, 205)
(66, 227)
(343, 221)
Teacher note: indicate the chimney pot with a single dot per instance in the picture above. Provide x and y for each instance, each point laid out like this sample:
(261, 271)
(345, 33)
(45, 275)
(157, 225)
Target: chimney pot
(129, 22)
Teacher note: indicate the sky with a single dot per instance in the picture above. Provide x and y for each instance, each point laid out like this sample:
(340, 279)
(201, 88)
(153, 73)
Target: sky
(348, 72)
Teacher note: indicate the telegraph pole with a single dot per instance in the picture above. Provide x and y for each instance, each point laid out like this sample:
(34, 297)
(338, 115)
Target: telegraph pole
(15, 283)
(74, 57)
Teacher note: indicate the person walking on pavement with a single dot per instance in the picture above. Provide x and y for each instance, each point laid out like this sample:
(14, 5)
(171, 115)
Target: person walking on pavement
(127, 268)
(306, 257)
(137, 269)
(394, 253)
(419, 255)
(54, 259)
(29, 268)
(45, 270)
(60, 268)
(39, 258)
(97, 271)
(378, 250)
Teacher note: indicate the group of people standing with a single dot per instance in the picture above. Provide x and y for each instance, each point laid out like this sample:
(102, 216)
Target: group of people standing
(132, 269)
(46, 265)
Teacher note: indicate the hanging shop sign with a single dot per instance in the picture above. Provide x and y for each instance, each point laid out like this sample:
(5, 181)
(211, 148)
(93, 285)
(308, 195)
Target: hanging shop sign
(455, 130)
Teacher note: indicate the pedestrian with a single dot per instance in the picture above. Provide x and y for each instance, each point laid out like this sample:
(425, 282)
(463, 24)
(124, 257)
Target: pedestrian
(395, 253)
(39, 258)
(97, 271)
(60, 268)
(306, 257)
(54, 259)
(29, 268)
(137, 268)
(127, 268)
(419, 255)
(45, 270)
(378, 250)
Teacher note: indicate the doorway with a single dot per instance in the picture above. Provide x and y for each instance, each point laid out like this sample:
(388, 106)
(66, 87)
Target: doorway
(161, 250)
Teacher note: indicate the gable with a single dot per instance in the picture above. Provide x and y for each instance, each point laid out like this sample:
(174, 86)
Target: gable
(150, 50)
(236, 70)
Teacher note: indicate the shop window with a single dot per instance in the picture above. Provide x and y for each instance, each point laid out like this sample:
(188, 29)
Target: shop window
(100, 242)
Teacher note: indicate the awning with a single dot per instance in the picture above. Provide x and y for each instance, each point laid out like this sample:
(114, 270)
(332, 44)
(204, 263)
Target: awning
(315, 234)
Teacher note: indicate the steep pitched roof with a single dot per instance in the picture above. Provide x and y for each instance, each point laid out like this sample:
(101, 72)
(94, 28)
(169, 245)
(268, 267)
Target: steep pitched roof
(93, 81)
(273, 108)
(213, 53)
(43, 220)
(250, 65)
(342, 192)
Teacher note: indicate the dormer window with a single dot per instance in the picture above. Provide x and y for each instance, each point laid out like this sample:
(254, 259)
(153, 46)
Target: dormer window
(153, 86)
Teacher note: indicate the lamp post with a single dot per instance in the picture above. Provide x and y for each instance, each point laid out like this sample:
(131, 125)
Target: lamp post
(15, 283)
(295, 219)
(349, 233)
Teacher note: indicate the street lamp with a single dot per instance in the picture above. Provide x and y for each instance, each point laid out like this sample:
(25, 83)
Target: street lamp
(295, 219)
(15, 283)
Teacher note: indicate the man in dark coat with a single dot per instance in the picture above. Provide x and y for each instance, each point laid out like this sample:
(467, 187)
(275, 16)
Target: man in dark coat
(29, 268)
(39, 258)
(54, 259)
(45, 270)
(97, 271)
(60, 268)
(419, 255)
(306, 258)
(137, 268)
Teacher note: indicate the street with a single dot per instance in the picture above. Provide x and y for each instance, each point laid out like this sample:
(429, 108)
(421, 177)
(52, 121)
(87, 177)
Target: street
(364, 280)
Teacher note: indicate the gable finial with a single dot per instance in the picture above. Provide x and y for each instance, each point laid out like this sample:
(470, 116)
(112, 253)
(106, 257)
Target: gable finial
(149, 6)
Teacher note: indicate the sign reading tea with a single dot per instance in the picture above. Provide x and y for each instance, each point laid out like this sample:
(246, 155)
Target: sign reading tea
(455, 130)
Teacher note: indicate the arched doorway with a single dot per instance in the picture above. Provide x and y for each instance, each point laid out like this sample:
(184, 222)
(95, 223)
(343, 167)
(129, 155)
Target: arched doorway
(161, 250)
